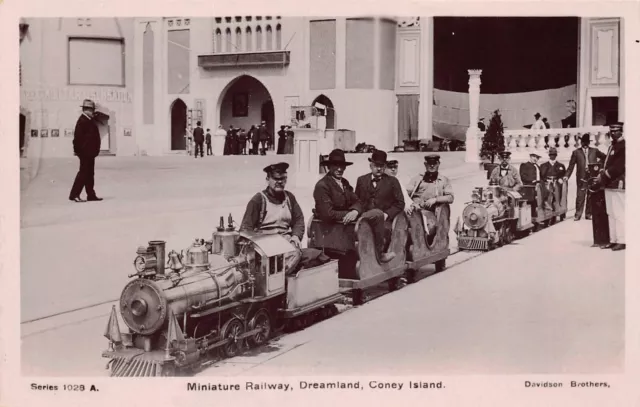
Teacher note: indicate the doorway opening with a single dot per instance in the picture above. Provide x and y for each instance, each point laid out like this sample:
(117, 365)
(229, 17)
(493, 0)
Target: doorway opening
(178, 125)
(325, 105)
(605, 111)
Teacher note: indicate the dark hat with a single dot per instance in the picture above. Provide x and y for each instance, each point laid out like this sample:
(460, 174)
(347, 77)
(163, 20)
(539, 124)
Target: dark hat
(537, 155)
(336, 157)
(553, 151)
(586, 138)
(616, 126)
(432, 158)
(392, 163)
(504, 154)
(88, 104)
(537, 115)
(279, 167)
(378, 157)
(199, 123)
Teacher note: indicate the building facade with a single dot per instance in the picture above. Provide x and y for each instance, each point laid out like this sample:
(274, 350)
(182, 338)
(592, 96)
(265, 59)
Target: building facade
(155, 77)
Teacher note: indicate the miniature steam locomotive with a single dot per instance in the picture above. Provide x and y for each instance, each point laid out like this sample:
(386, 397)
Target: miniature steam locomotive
(496, 216)
(219, 295)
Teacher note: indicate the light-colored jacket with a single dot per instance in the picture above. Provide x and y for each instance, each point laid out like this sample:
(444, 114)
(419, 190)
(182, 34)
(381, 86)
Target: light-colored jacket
(419, 191)
(509, 180)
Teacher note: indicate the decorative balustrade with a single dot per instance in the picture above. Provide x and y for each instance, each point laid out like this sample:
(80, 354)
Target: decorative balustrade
(523, 142)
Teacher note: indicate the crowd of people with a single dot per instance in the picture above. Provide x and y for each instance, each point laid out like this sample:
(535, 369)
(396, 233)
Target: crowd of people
(239, 141)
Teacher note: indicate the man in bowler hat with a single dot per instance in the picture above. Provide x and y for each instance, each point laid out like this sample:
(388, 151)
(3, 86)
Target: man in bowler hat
(580, 160)
(336, 201)
(506, 174)
(379, 192)
(86, 146)
(612, 178)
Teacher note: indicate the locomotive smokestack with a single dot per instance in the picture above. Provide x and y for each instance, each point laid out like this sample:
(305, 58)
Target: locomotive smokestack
(158, 247)
(221, 227)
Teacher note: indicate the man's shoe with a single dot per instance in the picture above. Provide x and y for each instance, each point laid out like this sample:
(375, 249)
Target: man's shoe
(94, 199)
(618, 246)
(77, 199)
(577, 218)
(596, 245)
(607, 246)
(387, 257)
(588, 217)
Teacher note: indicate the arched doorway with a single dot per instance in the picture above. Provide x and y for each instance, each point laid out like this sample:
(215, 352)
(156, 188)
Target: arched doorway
(178, 124)
(246, 102)
(326, 106)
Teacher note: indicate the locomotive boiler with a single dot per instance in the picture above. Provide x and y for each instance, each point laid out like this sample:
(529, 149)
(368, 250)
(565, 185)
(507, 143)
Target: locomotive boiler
(213, 298)
(493, 218)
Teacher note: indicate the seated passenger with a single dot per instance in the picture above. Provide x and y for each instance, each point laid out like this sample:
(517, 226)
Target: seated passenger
(552, 169)
(392, 170)
(506, 174)
(530, 174)
(380, 194)
(429, 188)
(335, 200)
(276, 211)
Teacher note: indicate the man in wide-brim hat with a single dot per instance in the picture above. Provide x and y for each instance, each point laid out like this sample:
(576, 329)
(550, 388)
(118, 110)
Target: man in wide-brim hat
(86, 146)
(580, 160)
(382, 199)
(506, 175)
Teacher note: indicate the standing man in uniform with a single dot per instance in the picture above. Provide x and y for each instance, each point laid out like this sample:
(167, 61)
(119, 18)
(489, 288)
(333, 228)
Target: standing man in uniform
(86, 145)
(379, 192)
(580, 159)
(612, 178)
(429, 188)
(198, 137)
(506, 174)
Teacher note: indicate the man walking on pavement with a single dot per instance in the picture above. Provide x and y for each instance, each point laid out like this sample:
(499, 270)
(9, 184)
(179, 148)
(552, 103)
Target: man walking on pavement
(580, 159)
(208, 141)
(198, 137)
(86, 145)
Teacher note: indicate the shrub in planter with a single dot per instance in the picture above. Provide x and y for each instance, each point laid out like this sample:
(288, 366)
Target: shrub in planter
(492, 142)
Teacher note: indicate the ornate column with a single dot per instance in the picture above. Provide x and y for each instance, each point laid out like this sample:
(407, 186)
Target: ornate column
(472, 140)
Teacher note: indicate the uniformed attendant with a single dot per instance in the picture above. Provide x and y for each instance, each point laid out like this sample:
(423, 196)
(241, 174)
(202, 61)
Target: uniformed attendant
(276, 211)
(613, 180)
(506, 174)
(580, 160)
(429, 188)
(598, 204)
(86, 145)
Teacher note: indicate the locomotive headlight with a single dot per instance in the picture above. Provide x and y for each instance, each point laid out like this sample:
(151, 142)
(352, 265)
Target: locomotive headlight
(145, 260)
(140, 264)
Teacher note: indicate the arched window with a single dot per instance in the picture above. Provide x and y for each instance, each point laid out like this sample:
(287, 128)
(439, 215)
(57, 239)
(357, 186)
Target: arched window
(238, 42)
(218, 43)
(278, 37)
(249, 40)
(227, 40)
(269, 46)
(259, 38)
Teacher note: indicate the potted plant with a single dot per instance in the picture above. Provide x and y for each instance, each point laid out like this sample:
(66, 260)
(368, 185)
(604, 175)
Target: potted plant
(492, 142)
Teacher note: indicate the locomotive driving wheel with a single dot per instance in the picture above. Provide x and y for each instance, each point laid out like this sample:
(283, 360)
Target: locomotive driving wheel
(262, 321)
(231, 330)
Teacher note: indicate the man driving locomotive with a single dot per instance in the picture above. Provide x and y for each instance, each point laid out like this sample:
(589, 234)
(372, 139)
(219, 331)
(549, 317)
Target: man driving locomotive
(276, 211)
(506, 174)
(378, 191)
(429, 188)
(336, 201)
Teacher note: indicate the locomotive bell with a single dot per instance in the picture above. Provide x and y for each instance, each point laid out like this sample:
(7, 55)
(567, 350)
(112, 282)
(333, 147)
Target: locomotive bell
(197, 257)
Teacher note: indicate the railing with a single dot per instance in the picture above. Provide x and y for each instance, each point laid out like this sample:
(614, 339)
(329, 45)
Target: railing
(523, 142)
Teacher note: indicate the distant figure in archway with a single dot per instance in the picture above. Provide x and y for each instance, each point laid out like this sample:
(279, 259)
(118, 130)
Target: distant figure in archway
(282, 139)
(288, 146)
(219, 138)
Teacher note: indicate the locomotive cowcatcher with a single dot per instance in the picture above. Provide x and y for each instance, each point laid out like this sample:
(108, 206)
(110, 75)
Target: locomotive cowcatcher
(219, 295)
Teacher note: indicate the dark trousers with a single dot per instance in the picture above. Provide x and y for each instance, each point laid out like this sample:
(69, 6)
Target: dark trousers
(254, 149)
(582, 200)
(375, 218)
(199, 147)
(599, 219)
(209, 151)
(84, 178)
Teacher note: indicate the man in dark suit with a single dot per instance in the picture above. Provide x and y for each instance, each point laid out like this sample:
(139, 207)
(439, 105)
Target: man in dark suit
(265, 137)
(551, 172)
(336, 201)
(580, 159)
(530, 174)
(198, 137)
(612, 178)
(378, 191)
(86, 145)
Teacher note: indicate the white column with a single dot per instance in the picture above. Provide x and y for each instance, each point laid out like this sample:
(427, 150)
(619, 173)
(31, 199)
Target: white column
(622, 67)
(472, 142)
(425, 118)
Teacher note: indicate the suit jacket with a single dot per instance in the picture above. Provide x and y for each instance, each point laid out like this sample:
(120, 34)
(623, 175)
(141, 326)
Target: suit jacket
(386, 196)
(510, 180)
(333, 202)
(557, 170)
(198, 135)
(579, 161)
(86, 138)
(614, 168)
(528, 173)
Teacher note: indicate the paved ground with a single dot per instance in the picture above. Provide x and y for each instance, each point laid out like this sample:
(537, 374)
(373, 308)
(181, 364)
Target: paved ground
(86, 250)
(504, 312)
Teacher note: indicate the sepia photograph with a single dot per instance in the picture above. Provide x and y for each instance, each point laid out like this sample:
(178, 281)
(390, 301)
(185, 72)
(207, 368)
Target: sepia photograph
(415, 198)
